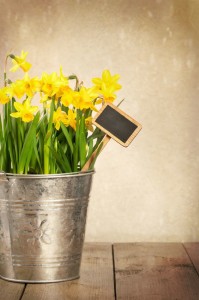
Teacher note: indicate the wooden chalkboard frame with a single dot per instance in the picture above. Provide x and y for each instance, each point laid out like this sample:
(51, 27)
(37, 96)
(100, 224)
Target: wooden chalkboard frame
(131, 137)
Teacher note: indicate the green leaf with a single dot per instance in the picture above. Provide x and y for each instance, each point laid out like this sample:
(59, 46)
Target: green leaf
(47, 136)
(64, 160)
(28, 144)
(96, 156)
(61, 160)
(47, 141)
(28, 159)
(67, 136)
(41, 149)
(11, 152)
(76, 145)
(37, 153)
(90, 149)
(82, 142)
(97, 133)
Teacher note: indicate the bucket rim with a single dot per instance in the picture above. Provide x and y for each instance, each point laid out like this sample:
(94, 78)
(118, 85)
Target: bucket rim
(48, 176)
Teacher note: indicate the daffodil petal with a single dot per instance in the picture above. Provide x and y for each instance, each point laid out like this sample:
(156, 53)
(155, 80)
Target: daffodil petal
(18, 106)
(16, 115)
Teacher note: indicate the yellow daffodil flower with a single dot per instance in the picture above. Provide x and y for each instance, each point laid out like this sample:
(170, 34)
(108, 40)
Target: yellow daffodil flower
(84, 99)
(107, 85)
(67, 96)
(59, 116)
(63, 79)
(68, 119)
(88, 123)
(108, 80)
(31, 85)
(17, 89)
(24, 111)
(4, 98)
(26, 86)
(71, 119)
(44, 98)
(50, 84)
(20, 62)
(108, 93)
(63, 85)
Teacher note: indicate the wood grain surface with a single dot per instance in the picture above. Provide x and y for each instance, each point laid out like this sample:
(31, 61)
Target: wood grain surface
(139, 271)
(11, 290)
(193, 252)
(154, 271)
(96, 279)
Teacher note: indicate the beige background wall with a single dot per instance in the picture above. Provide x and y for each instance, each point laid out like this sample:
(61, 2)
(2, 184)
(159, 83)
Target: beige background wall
(149, 191)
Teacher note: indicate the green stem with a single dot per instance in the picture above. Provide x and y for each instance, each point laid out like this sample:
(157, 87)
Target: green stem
(47, 142)
(5, 72)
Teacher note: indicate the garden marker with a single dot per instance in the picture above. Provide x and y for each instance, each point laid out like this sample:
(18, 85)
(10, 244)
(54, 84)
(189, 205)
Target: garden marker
(117, 125)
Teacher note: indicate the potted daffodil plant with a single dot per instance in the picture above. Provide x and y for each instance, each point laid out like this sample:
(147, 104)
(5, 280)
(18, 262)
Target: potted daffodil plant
(59, 136)
(46, 139)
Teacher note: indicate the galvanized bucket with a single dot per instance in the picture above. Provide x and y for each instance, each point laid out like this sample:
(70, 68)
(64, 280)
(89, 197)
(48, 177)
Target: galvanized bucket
(42, 226)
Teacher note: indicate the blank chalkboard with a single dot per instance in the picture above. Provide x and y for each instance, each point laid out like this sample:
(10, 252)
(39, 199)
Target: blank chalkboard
(117, 124)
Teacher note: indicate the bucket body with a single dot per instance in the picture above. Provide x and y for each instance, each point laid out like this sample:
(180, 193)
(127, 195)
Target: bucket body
(42, 226)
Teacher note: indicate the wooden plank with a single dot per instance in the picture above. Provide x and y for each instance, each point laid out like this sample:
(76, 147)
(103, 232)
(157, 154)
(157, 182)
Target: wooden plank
(96, 279)
(154, 271)
(193, 252)
(10, 290)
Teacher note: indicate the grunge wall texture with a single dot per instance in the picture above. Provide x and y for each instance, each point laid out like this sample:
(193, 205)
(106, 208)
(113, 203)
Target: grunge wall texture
(149, 191)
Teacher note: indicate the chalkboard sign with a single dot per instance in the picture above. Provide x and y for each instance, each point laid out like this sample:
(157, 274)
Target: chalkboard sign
(117, 124)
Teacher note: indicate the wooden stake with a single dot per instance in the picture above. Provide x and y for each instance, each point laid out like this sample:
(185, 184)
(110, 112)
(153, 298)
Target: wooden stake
(103, 143)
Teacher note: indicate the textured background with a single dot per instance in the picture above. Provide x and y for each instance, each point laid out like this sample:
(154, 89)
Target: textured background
(149, 191)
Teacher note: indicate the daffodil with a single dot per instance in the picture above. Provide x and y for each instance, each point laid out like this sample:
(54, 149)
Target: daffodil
(17, 89)
(107, 85)
(63, 85)
(20, 62)
(26, 86)
(58, 117)
(88, 123)
(84, 98)
(50, 84)
(108, 80)
(24, 111)
(107, 93)
(31, 85)
(63, 78)
(67, 96)
(71, 119)
(68, 119)
(4, 98)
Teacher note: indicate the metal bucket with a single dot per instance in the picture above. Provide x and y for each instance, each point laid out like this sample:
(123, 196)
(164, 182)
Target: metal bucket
(42, 226)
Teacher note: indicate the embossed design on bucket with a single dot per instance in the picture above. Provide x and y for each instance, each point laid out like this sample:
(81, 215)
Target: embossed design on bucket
(35, 229)
(42, 226)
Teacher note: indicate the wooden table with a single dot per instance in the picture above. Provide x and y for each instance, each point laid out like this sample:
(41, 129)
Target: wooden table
(139, 271)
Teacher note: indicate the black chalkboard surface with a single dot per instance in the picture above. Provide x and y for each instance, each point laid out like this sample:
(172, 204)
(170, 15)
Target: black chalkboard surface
(117, 124)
